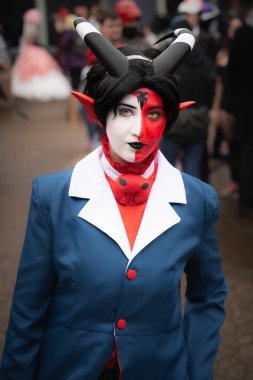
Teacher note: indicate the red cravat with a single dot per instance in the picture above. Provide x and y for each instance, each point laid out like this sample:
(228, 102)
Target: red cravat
(131, 189)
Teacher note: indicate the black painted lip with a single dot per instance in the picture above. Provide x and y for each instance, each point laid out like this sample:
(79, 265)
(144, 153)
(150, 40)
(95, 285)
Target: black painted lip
(136, 145)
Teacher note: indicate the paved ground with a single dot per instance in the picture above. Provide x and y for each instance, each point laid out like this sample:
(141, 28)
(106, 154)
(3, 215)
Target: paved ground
(46, 142)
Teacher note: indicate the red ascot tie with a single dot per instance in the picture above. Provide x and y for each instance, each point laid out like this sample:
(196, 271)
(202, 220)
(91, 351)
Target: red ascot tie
(132, 189)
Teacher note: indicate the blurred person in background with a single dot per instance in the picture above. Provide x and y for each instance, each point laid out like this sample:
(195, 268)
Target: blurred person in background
(5, 59)
(72, 56)
(81, 11)
(5, 65)
(192, 10)
(35, 74)
(110, 25)
(222, 125)
(240, 84)
(130, 14)
(73, 52)
(59, 19)
(59, 26)
(95, 14)
(186, 142)
(211, 20)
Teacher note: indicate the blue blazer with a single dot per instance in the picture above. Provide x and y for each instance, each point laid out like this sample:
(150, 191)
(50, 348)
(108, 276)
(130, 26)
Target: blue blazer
(73, 287)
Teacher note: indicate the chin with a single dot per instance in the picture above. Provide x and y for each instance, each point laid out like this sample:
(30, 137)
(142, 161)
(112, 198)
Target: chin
(128, 158)
(139, 160)
(141, 156)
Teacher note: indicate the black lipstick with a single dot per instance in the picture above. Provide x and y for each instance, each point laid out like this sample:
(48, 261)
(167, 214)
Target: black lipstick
(136, 145)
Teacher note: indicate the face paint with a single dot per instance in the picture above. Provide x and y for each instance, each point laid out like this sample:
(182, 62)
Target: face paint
(136, 127)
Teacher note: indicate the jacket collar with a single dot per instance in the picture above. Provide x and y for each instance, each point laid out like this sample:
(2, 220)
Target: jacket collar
(88, 182)
(114, 174)
(88, 176)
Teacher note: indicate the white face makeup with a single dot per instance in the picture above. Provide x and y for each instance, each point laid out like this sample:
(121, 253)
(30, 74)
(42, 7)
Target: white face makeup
(124, 128)
(136, 128)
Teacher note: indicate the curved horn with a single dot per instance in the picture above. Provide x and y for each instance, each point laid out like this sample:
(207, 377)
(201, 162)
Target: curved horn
(172, 57)
(115, 63)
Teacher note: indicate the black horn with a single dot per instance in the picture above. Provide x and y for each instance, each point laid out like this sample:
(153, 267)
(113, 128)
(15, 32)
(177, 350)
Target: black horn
(172, 57)
(115, 63)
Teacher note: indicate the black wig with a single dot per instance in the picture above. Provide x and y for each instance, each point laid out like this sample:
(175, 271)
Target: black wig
(107, 91)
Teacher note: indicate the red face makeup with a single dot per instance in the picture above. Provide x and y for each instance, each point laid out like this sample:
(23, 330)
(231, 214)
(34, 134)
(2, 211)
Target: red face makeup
(136, 128)
(153, 120)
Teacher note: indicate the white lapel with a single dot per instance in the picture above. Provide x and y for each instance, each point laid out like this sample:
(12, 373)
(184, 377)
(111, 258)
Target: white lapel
(159, 215)
(88, 181)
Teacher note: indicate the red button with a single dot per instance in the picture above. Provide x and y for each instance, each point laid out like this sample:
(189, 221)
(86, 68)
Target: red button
(131, 274)
(121, 324)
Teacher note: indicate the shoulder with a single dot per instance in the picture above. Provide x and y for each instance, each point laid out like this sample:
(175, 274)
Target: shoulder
(48, 186)
(201, 194)
(49, 190)
(197, 186)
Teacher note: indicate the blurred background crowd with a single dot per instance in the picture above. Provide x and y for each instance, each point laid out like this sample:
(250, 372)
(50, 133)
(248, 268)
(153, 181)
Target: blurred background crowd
(42, 58)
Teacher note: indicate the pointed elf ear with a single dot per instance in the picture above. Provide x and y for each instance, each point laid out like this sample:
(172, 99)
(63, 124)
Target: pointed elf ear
(185, 105)
(88, 104)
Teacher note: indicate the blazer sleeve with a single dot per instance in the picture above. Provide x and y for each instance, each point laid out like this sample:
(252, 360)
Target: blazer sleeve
(205, 293)
(32, 297)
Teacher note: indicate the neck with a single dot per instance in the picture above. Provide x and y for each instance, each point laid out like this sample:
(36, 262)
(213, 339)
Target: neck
(126, 167)
(115, 158)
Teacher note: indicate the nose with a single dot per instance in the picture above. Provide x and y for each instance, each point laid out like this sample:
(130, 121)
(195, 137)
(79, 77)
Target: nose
(136, 127)
(137, 134)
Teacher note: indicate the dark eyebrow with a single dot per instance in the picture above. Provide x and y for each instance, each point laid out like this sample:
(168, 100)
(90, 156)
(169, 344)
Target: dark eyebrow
(155, 107)
(126, 105)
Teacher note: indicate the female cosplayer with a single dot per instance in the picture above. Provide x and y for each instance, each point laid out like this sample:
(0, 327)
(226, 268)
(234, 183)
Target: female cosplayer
(98, 287)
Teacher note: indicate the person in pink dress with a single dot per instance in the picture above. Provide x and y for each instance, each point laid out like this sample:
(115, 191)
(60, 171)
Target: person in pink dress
(36, 75)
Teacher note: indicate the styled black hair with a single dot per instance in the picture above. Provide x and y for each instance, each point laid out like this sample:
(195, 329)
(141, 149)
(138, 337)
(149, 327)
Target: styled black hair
(107, 91)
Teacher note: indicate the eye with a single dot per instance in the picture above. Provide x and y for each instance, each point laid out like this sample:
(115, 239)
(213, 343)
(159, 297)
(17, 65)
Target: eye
(125, 112)
(155, 115)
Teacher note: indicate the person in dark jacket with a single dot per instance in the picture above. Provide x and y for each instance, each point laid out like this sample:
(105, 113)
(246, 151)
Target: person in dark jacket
(187, 137)
(73, 53)
(240, 84)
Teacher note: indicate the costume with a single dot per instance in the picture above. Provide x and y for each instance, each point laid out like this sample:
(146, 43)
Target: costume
(35, 74)
(85, 289)
(97, 292)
